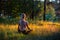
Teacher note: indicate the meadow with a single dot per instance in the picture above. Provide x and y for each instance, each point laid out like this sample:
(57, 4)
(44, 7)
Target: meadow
(42, 30)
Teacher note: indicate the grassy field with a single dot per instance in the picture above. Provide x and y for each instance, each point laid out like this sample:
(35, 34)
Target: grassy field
(41, 31)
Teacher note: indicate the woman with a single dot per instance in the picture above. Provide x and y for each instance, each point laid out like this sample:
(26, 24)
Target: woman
(23, 24)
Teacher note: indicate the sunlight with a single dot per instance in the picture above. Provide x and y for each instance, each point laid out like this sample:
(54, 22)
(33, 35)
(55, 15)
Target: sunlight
(45, 28)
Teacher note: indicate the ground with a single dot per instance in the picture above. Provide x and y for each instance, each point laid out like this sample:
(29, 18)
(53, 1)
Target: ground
(42, 30)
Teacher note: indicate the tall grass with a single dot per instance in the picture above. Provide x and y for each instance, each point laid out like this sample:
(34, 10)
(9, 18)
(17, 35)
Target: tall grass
(41, 31)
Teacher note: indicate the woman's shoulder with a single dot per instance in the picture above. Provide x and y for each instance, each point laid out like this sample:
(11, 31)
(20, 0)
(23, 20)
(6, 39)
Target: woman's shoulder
(23, 21)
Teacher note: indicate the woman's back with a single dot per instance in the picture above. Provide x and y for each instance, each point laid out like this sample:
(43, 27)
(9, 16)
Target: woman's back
(23, 25)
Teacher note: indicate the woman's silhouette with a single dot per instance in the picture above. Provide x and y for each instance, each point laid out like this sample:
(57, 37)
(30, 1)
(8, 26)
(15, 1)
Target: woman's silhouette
(23, 24)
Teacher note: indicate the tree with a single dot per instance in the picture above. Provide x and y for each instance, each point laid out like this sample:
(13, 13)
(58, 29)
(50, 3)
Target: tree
(44, 10)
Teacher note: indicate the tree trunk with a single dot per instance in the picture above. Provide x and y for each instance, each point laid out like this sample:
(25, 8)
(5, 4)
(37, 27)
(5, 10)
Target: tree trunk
(44, 10)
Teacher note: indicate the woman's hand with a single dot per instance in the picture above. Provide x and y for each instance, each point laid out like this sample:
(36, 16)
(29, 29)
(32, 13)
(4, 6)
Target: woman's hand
(30, 29)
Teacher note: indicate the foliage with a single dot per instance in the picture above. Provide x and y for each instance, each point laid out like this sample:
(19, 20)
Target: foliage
(50, 13)
(16, 7)
(33, 9)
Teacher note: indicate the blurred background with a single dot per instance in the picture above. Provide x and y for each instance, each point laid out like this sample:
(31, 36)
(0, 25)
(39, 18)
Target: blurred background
(47, 10)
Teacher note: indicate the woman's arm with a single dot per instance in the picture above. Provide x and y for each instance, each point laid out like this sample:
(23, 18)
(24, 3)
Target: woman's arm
(18, 26)
(28, 26)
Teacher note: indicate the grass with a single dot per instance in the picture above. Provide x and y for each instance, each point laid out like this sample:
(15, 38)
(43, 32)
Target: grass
(41, 31)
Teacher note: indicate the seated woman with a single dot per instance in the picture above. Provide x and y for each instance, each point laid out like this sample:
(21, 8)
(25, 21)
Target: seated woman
(23, 24)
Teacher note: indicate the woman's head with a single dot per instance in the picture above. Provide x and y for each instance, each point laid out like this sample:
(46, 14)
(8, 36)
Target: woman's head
(23, 16)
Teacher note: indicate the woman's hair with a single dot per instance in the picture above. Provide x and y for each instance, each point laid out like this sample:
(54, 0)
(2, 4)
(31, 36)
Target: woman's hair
(23, 15)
